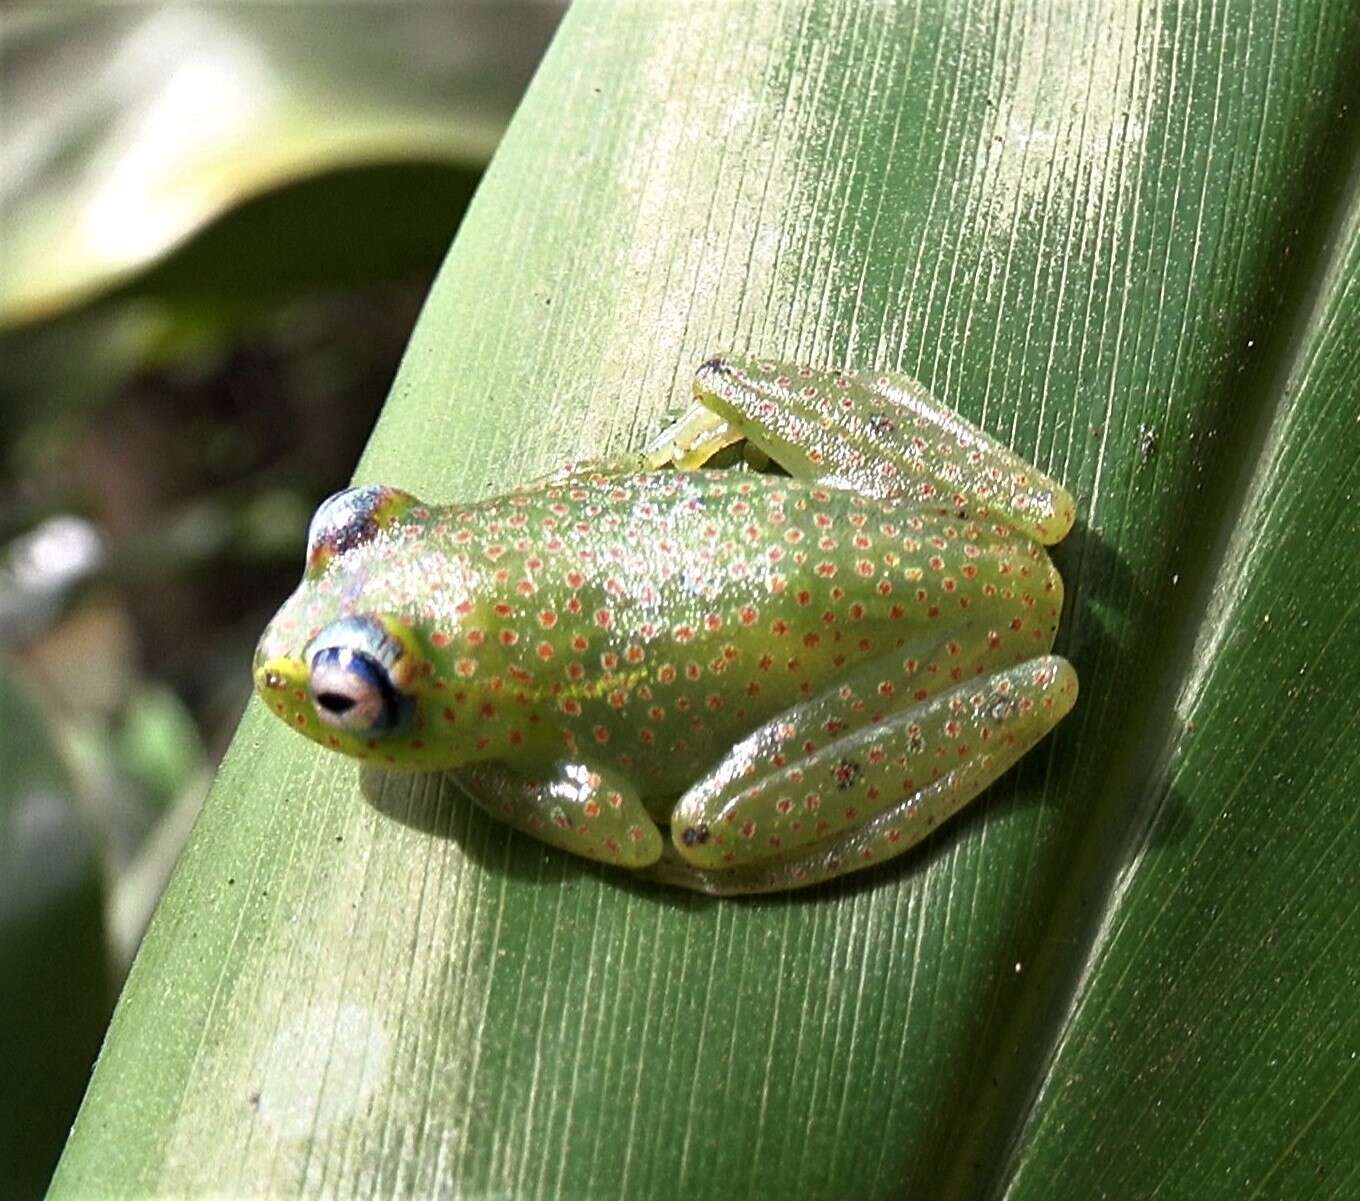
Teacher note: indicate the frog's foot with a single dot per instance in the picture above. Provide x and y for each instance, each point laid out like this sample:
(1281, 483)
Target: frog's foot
(865, 797)
(884, 435)
(580, 808)
(691, 440)
(688, 442)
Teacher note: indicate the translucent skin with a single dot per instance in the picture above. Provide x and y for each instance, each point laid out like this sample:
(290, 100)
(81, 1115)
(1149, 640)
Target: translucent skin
(800, 676)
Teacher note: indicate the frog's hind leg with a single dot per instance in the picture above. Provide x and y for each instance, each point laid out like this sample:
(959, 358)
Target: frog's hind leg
(578, 807)
(867, 796)
(884, 435)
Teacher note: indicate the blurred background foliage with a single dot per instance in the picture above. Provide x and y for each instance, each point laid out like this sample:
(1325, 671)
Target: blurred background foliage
(217, 225)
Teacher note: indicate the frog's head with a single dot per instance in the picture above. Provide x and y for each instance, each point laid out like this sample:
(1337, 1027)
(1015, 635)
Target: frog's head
(346, 676)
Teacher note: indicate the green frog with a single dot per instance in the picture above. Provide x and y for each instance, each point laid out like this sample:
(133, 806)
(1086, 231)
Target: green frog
(734, 681)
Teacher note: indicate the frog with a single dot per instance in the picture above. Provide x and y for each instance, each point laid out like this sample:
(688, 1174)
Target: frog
(728, 679)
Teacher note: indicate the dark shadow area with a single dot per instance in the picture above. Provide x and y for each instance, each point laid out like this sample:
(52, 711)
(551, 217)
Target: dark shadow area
(1101, 590)
(434, 803)
(56, 992)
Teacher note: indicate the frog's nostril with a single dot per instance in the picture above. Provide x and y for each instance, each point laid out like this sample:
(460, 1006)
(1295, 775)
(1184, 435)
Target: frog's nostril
(335, 702)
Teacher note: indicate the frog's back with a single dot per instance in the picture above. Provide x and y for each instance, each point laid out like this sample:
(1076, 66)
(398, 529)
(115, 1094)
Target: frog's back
(672, 612)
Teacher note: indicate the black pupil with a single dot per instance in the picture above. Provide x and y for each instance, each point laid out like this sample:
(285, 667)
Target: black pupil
(335, 702)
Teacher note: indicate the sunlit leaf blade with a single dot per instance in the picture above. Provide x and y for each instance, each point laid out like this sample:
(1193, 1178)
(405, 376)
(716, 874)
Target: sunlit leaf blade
(1090, 227)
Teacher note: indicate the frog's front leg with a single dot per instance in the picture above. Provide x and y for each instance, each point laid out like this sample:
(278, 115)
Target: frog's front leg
(773, 815)
(882, 434)
(579, 807)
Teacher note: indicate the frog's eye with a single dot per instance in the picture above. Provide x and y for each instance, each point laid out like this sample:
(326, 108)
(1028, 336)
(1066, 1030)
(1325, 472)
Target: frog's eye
(356, 669)
(351, 518)
(352, 692)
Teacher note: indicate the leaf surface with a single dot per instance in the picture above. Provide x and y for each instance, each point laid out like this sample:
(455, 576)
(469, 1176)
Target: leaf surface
(1119, 237)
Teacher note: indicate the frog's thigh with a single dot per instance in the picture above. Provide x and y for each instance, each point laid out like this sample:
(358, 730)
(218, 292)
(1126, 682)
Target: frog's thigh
(884, 435)
(924, 665)
(871, 794)
(580, 808)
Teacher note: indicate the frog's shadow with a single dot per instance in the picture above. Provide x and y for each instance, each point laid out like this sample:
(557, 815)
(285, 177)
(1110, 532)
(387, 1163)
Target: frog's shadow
(435, 804)
(1098, 581)
(1100, 586)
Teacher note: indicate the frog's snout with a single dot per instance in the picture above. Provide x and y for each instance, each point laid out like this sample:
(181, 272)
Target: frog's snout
(282, 684)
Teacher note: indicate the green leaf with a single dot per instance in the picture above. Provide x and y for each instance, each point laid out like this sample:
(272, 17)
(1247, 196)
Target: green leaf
(55, 980)
(158, 743)
(1119, 237)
